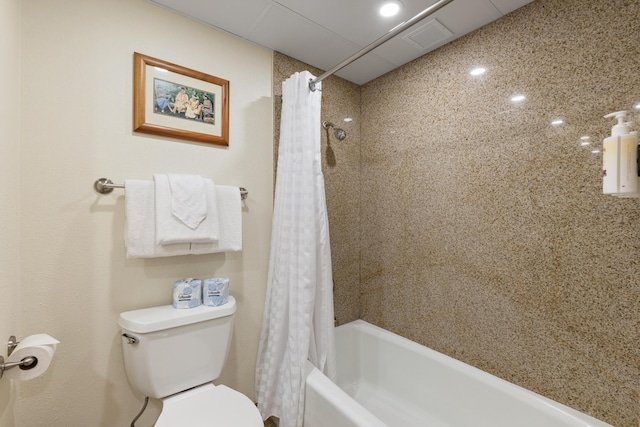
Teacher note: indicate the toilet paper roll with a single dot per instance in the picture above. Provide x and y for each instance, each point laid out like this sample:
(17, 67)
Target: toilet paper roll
(187, 293)
(215, 291)
(40, 346)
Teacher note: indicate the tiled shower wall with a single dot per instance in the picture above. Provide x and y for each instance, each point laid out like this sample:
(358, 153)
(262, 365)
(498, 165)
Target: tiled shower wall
(472, 225)
(485, 233)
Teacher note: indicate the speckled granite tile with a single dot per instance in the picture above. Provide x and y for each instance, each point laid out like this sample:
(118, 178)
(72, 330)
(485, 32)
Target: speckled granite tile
(484, 227)
(469, 224)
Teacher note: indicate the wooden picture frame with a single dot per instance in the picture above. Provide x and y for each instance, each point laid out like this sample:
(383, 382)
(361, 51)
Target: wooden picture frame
(160, 108)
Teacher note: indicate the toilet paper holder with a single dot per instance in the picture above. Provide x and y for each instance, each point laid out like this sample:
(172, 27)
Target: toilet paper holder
(25, 364)
(12, 344)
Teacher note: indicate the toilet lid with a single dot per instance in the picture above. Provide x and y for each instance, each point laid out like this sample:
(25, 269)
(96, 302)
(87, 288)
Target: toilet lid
(209, 406)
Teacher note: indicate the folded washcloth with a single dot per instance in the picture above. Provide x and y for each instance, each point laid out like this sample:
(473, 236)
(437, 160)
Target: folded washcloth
(188, 199)
(140, 228)
(170, 229)
(230, 219)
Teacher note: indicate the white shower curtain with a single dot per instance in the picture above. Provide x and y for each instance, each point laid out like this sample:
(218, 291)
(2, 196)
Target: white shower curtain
(298, 313)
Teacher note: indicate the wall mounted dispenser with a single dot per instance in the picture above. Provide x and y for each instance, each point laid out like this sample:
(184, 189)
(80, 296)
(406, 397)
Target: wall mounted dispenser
(619, 159)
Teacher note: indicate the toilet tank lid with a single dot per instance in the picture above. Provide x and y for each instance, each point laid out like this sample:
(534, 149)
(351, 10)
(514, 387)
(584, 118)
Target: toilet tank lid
(164, 317)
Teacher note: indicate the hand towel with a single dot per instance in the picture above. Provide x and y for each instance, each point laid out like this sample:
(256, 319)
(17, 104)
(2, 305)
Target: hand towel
(170, 229)
(188, 199)
(140, 228)
(230, 219)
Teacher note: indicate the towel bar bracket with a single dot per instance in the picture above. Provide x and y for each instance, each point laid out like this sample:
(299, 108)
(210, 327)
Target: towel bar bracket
(106, 186)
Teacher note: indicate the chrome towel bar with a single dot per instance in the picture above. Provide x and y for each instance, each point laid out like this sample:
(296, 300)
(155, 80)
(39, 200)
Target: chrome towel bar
(106, 186)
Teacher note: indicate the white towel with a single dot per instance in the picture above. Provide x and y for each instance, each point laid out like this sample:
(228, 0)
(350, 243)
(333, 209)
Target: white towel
(170, 229)
(230, 219)
(140, 228)
(188, 199)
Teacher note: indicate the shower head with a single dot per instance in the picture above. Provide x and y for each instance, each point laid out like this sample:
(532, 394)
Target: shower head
(340, 134)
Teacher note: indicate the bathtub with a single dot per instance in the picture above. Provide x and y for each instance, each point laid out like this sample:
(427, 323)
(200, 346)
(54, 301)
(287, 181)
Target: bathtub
(385, 380)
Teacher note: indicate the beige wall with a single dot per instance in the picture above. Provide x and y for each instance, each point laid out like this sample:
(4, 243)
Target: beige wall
(76, 127)
(485, 233)
(10, 288)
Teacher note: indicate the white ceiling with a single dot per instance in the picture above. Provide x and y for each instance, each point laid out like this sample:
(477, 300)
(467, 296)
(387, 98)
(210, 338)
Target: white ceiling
(323, 33)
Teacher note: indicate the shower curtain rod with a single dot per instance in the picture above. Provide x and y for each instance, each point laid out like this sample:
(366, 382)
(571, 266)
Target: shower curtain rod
(392, 33)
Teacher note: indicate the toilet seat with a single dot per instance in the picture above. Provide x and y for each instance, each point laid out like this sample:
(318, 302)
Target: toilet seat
(209, 406)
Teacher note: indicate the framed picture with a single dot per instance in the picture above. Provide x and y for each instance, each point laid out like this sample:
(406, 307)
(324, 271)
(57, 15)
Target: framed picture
(170, 100)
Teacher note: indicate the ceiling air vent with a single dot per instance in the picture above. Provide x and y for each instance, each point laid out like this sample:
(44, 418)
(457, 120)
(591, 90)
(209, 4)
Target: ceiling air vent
(428, 35)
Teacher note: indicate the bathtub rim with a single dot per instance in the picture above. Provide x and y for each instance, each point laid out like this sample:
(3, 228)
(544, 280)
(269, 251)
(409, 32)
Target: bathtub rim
(537, 400)
(346, 405)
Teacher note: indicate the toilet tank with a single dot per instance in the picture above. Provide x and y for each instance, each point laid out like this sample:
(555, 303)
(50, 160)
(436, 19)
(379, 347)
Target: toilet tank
(176, 349)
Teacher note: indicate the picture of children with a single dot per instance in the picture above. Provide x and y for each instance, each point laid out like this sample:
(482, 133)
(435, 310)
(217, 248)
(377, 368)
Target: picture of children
(180, 106)
(206, 113)
(183, 102)
(193, 108)
(162, 99)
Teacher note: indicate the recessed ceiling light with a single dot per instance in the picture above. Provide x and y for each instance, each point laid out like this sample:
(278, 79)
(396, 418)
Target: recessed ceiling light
(637, 107)
(390, 8)
(518, 98)
(478, 71)
(557, 122)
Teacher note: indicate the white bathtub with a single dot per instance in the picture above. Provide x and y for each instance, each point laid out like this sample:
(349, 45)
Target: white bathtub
(385, 380)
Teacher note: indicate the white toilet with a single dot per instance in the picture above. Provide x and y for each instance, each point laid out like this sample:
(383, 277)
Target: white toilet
(174, 354)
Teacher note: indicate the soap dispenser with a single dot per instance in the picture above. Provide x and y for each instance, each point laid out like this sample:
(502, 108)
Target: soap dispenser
(619, 159)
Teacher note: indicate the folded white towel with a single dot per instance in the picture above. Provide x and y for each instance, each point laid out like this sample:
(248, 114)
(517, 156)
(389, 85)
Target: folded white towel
(188, 199)
(140, 228)
(230, 219)
(170, 229)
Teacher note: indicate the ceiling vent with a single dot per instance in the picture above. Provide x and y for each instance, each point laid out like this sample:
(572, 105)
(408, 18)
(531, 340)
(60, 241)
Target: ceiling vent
(428, 35)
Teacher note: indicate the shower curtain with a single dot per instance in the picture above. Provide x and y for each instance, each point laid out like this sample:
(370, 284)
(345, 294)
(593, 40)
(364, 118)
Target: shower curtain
(298, 313)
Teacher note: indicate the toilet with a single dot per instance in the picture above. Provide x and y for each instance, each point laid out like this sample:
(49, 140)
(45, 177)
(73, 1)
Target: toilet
(175, 354)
